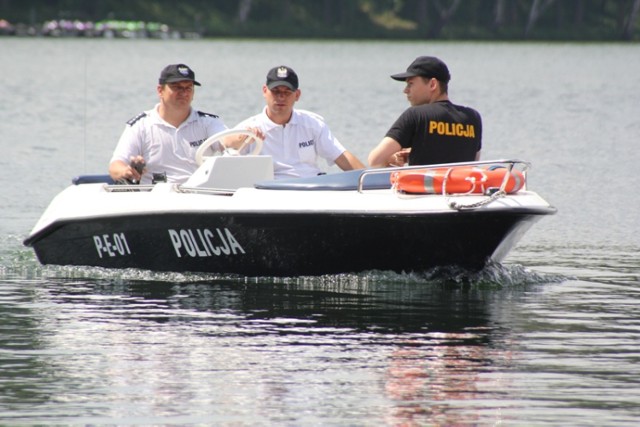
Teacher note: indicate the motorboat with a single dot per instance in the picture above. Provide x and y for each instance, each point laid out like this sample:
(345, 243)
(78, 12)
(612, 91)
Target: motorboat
(233, 217)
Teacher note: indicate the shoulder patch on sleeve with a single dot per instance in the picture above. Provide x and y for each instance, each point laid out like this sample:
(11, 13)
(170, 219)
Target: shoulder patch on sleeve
(132, 121)
(203, 114)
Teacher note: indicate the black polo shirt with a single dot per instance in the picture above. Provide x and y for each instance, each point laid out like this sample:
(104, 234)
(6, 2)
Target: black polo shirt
(440, 132)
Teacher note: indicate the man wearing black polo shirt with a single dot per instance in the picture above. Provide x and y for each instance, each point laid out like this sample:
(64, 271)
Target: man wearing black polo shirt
(433, 130)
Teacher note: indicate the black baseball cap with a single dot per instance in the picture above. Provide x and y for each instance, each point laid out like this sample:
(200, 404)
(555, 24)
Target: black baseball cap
(177, 73)
(425, 66)
(282, 76)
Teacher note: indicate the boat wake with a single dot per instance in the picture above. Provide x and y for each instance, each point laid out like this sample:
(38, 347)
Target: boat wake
(492, 276)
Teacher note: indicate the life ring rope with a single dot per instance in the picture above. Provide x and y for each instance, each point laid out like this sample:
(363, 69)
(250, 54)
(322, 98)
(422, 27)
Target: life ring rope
(458, 206)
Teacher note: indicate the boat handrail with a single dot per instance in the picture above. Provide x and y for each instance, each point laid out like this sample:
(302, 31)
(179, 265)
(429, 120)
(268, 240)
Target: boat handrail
(178, 188)
(118, 188)
(204, 190)
(524, 167)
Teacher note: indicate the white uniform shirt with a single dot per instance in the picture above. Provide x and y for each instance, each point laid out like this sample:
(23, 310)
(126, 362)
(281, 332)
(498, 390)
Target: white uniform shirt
(296, 146)
(164, 147)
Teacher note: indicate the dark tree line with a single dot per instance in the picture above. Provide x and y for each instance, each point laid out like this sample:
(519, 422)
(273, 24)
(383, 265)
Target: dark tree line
(402, 19)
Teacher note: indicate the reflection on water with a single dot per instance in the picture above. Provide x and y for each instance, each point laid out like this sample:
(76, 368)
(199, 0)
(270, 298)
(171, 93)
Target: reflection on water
(375, 301)
(83, 345)
(95, 346)
(448, 367)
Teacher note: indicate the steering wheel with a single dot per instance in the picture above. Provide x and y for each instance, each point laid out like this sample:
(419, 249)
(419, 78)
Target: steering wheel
(200, 157)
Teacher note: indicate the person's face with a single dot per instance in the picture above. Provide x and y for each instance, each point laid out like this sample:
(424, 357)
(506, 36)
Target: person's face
(177, 94)
(420, 90)
(280, 99)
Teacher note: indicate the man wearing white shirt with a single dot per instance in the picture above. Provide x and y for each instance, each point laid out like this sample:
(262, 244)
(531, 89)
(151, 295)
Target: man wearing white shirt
(295, 139)
(163, 141)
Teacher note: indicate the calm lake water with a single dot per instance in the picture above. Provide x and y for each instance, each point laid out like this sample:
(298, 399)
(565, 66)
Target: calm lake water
(551, 337)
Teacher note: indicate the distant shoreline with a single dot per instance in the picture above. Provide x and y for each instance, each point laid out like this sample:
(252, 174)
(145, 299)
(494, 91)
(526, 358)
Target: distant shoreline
(102, 29)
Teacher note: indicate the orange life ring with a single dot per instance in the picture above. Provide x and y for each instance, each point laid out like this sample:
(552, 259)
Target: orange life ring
(457, 180)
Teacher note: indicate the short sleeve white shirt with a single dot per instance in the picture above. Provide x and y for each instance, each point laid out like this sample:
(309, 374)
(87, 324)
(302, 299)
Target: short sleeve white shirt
(296, 146)
(165, 148)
